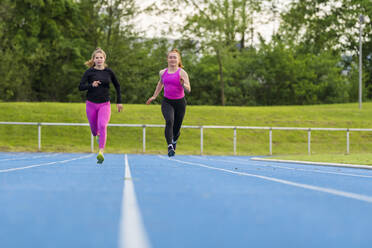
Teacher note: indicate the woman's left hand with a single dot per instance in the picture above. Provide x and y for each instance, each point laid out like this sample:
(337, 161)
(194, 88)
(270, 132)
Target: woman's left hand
(120, 107)
(184, 81)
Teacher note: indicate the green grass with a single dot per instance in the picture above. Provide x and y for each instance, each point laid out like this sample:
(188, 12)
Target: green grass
(216, 141)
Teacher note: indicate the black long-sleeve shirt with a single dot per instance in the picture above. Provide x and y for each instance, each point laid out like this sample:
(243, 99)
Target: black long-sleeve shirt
(101, 93)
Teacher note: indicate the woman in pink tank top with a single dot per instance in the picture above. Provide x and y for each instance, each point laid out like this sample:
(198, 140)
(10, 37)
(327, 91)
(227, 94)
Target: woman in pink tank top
(175, 82)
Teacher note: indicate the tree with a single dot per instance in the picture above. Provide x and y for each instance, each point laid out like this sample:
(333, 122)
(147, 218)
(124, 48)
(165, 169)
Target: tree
(326, 24)
(332, 26)
(39, 41)
(221, 27)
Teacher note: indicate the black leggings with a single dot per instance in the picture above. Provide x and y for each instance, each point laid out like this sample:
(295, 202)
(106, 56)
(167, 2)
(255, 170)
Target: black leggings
(173, 112)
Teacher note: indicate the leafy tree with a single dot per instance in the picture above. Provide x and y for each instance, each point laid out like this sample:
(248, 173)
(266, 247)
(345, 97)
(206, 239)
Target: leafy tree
(39, 37)
(326, 24)
(221, 28)
(14, 84)
(288, 76)
(333, 26)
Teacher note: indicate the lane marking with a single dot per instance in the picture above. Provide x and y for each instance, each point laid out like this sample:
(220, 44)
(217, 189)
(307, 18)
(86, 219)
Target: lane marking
(355, 166)
(331, 191)
(23, 158)
(132, 233)
(12, 154)
(44, 164)
(237, 161)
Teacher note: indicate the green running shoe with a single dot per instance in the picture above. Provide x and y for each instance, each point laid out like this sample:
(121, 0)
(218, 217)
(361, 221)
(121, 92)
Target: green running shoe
(100, 158)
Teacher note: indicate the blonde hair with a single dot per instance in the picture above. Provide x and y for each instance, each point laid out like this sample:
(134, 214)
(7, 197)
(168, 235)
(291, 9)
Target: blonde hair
(90, 63)
(175, 50)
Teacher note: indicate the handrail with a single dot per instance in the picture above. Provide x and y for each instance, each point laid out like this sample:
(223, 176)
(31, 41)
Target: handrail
(201, 127)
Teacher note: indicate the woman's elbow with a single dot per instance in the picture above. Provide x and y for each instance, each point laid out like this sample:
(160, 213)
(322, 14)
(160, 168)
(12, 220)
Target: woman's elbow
(82, 88)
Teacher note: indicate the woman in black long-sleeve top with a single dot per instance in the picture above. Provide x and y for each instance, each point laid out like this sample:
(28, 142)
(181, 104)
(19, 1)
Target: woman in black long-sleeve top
(96, 80)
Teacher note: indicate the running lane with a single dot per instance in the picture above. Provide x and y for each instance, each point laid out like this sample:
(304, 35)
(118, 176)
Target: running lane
(193, 201)
(60, 200)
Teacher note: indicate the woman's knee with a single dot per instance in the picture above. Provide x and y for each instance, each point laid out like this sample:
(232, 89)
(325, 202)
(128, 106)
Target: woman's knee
(102, 128)
(169, 122)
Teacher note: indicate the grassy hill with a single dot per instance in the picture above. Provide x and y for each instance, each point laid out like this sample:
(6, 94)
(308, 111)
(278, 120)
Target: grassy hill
(216, 141)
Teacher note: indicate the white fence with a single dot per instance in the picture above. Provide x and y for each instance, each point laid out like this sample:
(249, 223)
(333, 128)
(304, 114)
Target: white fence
(144, 126)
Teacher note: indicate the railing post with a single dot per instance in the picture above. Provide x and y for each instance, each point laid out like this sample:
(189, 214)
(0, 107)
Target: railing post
(271, 141)
(91, 143)
(39, 136)
(309, 141)
(347, 141)
(235, 141)
(144, 139)
(201, 140)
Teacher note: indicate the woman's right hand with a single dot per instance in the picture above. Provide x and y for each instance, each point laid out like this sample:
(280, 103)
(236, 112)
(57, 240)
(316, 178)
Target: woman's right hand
(150, 100)
(96, 83)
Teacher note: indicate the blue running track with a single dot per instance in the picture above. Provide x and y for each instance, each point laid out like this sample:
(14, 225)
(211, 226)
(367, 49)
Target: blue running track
(67, 200)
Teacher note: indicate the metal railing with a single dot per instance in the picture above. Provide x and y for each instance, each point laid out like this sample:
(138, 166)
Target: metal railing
(144, 126)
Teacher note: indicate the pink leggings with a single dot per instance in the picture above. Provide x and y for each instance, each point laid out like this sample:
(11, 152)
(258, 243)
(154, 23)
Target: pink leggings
(98, 116)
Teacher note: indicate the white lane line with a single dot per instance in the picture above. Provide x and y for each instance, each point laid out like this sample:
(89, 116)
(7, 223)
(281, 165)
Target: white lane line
(23, 158)
(11, 154)
(198, 157)
(132, 232)
(236, 161)
(345, 194)
(355, 166)
(44, 164)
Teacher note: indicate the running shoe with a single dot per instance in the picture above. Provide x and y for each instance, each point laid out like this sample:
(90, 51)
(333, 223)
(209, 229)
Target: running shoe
(171, 151)
(174, 143)
(100, 158)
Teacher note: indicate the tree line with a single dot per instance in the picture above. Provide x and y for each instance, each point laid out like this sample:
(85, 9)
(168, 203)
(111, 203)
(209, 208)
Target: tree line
(312, 58)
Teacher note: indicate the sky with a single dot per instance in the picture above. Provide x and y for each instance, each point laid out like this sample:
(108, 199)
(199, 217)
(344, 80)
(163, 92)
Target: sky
(153, 26)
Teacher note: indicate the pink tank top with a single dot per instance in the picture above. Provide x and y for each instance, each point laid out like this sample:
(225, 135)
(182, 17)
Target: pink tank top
(172, 86)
